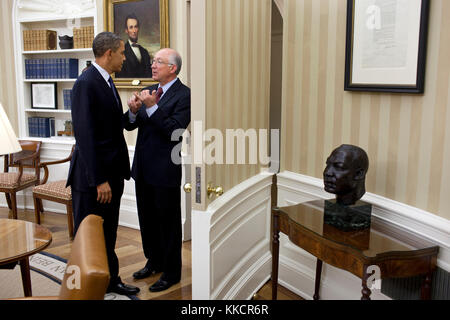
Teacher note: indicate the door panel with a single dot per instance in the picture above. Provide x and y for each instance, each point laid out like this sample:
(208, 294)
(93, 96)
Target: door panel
(230, 65)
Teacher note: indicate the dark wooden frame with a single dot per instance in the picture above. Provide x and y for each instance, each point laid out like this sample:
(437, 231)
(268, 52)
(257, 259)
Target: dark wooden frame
(55, 92)
(419, 86)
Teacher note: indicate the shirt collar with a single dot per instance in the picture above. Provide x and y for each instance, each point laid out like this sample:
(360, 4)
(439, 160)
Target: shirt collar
(167, 85)
(102, 71)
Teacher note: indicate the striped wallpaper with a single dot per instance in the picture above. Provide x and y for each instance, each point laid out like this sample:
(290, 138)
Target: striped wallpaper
(7, 71)
(237, 81)
(405, 136)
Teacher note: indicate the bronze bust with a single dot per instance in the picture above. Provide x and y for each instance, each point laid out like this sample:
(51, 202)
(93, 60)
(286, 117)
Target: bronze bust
(345, 174)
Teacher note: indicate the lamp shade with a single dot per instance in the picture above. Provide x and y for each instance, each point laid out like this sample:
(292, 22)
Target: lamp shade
(8, 139)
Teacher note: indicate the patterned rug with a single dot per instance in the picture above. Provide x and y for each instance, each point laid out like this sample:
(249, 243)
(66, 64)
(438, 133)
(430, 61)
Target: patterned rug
(47, 272)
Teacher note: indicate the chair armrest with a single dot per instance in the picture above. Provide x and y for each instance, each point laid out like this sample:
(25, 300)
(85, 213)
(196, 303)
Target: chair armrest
(44, 165)
(49, 163)
(34, 155)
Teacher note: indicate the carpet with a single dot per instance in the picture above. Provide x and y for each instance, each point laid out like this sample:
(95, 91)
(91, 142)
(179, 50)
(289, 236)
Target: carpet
(47, 272)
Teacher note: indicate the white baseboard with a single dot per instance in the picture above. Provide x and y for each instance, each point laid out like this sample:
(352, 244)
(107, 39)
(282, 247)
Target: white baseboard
(297, 267)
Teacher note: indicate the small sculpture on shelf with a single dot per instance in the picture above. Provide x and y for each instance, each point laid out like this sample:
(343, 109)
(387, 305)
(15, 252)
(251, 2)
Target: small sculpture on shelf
(344, 176)
(65, 42)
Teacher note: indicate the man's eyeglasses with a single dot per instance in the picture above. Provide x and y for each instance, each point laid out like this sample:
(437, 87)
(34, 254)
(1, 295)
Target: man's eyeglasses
(160, 62)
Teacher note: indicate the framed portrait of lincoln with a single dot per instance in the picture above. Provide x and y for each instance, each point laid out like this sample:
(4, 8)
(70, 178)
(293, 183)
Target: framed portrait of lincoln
(144, 27)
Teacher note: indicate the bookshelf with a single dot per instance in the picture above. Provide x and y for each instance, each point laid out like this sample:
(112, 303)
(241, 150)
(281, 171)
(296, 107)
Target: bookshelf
(49, 64)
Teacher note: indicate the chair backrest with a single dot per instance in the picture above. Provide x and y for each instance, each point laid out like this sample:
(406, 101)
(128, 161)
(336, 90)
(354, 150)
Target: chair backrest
(28, 148)
(87, 273)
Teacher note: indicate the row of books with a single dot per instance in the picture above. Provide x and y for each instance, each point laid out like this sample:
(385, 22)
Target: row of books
(67, 99)
(39, 40)
(41, 127)
(83, 37)
(53, 68)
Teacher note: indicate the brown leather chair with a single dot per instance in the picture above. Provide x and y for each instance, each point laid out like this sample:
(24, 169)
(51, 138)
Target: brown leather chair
(87, 273)
(89, 255)
(11, 182)
(55, 191)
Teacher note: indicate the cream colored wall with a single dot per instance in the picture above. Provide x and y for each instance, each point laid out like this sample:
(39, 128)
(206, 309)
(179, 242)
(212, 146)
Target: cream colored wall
(406, 136)
(237, 75)
(7, 73)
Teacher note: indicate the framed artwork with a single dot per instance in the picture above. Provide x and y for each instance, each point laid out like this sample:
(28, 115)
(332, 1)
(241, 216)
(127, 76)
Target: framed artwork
(144, 27)
(44, 96)
(386, 45)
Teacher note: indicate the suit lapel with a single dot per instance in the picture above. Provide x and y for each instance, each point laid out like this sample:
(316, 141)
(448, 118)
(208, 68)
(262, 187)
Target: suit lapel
(107, 90)
(169, 94)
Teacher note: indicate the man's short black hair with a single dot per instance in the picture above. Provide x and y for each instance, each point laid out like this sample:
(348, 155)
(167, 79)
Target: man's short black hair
(131, 16)
(105, 41)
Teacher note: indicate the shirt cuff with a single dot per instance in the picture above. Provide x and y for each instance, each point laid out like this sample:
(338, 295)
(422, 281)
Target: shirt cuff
(131, 117)
(151, 110)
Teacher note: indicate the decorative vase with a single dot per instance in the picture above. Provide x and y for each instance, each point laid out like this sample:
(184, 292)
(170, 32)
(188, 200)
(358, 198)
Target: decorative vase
(65, 42)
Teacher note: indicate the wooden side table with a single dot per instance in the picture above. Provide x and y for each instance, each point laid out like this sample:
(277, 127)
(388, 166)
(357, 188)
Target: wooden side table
(396, 251)
(19, 240)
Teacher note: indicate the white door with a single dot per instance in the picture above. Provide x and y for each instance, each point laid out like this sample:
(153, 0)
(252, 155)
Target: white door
(230, 83)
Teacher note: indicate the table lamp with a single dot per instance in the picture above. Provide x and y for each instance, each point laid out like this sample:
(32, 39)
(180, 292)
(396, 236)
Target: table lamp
(8, 140)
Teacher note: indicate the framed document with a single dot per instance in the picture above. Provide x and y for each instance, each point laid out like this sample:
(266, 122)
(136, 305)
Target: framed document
(386, 45)
(43, 95)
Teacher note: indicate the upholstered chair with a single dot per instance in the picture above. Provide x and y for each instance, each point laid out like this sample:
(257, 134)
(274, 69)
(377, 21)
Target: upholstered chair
(16, 180)
(87, 272)
(55, 191)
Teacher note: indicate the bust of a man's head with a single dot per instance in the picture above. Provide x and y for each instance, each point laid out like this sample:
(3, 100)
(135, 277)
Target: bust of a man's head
(345, 173)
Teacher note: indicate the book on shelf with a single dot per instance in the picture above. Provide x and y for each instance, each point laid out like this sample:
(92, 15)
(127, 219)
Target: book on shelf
(41, 127)
(51, 68)
(67, 99)
(83, 37)
(37, 40)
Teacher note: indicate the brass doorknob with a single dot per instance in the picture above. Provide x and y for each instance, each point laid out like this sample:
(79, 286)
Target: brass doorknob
(218, 191)
(187, 188)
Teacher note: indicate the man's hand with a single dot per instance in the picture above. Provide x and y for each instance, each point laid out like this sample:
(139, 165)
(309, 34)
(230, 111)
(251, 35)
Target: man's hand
(104, 194)
(134, 103)
(148, 98)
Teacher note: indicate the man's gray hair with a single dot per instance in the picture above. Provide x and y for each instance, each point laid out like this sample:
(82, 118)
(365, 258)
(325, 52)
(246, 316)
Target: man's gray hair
(105, 41)
(175, 59)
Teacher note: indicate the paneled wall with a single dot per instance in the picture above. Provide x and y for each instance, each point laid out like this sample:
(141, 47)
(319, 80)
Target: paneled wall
(406, 136)
(237, 73)
(7, 73)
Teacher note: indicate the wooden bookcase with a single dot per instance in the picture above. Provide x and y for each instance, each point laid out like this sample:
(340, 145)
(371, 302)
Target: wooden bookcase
(64, 23)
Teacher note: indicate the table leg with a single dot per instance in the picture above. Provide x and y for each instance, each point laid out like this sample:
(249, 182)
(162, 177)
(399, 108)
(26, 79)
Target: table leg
(26, 278)
(275, 254)
(365, 290)
(426, 287)
(318, 276)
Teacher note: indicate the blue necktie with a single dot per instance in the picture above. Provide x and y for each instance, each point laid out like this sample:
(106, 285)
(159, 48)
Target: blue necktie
(114, 90)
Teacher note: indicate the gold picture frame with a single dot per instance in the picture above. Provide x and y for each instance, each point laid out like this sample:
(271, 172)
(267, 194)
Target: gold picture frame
(115, 16)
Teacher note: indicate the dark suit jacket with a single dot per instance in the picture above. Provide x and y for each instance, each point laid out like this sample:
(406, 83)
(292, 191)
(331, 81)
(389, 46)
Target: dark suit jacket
(152, 159)
(132, 68)
(101, 153)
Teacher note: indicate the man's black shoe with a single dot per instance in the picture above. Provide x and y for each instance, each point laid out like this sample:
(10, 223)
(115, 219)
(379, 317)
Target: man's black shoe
(123, 289)
(144, 273)
(162, 285)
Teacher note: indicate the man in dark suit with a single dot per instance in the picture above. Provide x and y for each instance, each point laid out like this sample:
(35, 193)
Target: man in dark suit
(160, 111)
(100, 162)
(137, 63)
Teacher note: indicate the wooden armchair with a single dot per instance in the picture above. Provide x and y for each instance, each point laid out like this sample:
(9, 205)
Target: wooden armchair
(55, 191)
(11, 182)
